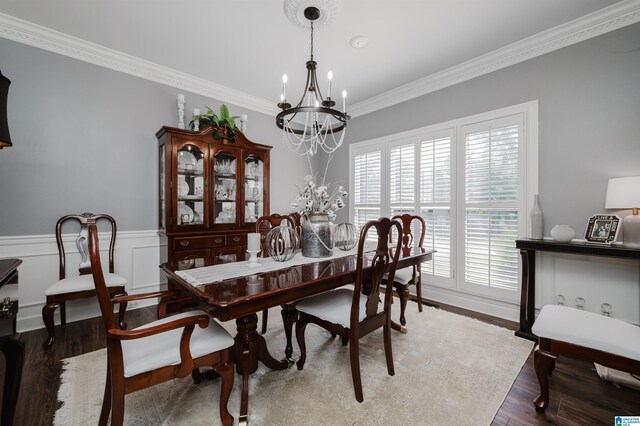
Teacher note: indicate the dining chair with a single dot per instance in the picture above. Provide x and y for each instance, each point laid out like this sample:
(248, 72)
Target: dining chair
(263, 225)
(411, 275)
(159, 351)
(353, 313)
(80, 286)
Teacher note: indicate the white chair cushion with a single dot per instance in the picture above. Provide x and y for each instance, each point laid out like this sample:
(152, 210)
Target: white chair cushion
(161, 350)
(82, 283)
(403, 276)
(588, 329)
(334, 306)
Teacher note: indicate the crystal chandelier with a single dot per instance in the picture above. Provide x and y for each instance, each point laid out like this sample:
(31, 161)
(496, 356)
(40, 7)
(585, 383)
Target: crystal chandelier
(313, 123)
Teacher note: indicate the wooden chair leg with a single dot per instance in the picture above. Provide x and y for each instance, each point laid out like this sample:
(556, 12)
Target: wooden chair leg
(196, 375)
(117, 401)
(47, 316)
(388, 351)
(354, 352)
(63, 314)
(121, 311)
(403, 292)
(542, 362)
(419, 293)
(106, 400)
(265, 318)
(301, 324)
(226, 374)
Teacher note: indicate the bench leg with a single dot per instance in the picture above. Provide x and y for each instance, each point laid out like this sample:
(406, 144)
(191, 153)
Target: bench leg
(543, 363)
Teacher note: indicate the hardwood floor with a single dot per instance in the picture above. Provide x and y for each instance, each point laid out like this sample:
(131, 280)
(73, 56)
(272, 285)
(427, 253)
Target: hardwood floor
(578, 396)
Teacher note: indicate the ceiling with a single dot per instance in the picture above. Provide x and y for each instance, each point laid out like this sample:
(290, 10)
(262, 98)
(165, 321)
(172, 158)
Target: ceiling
(247, 45)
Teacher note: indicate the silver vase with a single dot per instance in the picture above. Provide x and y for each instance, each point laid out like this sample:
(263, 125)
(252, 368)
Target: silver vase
(316, 235)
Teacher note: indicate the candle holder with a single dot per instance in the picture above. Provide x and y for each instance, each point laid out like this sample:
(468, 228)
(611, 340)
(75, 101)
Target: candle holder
(253, 258)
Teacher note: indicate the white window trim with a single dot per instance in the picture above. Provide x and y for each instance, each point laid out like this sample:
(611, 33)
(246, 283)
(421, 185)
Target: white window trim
(529, 111)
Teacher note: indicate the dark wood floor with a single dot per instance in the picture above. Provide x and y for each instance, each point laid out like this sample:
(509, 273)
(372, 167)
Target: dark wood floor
(578, 396)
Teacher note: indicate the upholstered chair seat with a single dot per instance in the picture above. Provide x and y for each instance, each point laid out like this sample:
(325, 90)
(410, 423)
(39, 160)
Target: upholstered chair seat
(334, 306)
(82, 283)
(566, 331)
(159, 350)
(588, 329)
(404, 276)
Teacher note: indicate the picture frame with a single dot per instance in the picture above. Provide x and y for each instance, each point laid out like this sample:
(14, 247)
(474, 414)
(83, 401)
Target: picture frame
(602, 229)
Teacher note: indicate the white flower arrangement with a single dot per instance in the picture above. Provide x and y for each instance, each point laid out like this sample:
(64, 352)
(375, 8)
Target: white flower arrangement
(314, 198)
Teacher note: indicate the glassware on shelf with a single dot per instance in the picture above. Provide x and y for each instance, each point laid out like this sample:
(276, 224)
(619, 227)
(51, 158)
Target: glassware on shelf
(606, 309)
(580, 302)
(560, 299)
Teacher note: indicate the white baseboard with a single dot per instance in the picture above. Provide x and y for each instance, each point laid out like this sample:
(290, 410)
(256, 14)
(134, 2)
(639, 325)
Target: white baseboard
(496, 308)
(137, 258)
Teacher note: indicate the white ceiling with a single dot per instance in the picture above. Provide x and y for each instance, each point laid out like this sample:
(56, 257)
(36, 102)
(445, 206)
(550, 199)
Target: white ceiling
(247, 45)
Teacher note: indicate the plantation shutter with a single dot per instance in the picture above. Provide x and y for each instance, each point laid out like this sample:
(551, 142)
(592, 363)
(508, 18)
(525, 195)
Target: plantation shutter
(491, 202)
(435, 202)
(402, 179)
(367, 187)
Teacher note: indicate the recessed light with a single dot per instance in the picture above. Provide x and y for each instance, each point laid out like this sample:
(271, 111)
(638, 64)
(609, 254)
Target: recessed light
(358, 42)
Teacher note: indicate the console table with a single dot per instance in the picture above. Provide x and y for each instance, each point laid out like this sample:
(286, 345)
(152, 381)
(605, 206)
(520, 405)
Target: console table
(528, 249)
(10, 345)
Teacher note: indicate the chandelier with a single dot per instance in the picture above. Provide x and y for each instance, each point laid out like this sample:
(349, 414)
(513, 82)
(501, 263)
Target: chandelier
(313, 123)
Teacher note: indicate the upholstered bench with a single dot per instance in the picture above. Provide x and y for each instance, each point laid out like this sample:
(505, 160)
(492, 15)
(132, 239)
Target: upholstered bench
(581, 334)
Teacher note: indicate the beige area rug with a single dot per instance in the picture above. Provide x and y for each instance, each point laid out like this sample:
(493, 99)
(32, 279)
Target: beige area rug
(450, 369)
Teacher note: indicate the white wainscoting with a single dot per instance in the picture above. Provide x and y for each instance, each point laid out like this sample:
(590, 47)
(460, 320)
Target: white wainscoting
(137, 256)
(596, 279)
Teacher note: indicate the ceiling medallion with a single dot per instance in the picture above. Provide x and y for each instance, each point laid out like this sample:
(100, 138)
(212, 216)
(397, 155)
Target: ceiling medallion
(294, 9)
(313, 123)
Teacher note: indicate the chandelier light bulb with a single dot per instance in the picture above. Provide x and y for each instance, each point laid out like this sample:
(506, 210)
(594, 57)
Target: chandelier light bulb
(344, 100)
(284, 87)
(330, 77)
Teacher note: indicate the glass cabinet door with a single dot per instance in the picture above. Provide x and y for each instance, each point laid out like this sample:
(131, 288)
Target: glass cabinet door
(163, 206)
(225, 182)
(253, 188)
(190, 186)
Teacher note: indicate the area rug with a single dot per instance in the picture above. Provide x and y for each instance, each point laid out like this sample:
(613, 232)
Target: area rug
(450, 369)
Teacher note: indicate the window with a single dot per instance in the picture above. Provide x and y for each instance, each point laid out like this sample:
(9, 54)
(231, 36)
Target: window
(469, 179)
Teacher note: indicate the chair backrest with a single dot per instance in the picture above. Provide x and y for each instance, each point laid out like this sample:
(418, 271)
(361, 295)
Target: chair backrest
(381, 262)
(82, 241)
(98, 276)
(265, 223)
(408, 220)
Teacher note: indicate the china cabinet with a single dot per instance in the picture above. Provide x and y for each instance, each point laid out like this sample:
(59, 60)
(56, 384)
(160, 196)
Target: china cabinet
(211, 194)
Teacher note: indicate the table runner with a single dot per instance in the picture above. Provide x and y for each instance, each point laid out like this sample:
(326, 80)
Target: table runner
(225, 271)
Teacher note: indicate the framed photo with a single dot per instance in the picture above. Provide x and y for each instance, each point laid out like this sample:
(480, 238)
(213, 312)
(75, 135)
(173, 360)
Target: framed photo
(602, 228)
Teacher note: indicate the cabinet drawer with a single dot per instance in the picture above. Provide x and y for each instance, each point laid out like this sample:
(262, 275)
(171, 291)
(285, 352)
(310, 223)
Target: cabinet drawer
(237, 239)
(192, 243)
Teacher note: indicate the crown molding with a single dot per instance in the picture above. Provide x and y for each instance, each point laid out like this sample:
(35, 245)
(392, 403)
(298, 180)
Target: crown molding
(31, 34)
(611, 18)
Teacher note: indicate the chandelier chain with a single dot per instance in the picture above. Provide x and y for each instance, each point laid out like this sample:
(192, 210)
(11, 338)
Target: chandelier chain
(312, 40)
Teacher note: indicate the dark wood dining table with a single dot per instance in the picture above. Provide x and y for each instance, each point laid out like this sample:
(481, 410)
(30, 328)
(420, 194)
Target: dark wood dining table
(242, 298)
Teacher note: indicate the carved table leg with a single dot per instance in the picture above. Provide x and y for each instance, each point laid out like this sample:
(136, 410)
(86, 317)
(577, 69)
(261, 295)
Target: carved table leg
(13, 350)
(250, 348)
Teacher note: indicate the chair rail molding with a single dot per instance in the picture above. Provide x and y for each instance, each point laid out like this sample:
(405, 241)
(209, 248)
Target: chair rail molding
(608, 19)
(136, 258)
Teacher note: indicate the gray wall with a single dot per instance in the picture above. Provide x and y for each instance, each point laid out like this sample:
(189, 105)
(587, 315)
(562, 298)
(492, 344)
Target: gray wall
(84, 140)
(589, 120)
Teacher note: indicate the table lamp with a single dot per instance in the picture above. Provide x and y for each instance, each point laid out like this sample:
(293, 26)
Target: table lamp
(624, 193)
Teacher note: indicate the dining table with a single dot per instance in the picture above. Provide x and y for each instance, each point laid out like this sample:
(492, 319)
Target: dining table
(236, 291)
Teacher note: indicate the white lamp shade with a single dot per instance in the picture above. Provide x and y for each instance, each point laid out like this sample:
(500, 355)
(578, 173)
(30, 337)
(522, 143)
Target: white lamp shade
(623, 193)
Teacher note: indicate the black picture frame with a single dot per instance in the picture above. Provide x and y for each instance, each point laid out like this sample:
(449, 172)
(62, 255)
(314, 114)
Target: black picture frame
(602, 228)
